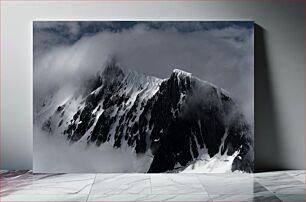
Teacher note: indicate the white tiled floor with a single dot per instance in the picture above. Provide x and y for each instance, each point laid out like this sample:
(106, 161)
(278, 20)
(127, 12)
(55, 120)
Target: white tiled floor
(114, 184)
(178, 184)
(272, 186)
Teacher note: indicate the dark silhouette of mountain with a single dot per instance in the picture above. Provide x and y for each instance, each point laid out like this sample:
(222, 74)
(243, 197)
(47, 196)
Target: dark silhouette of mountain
(176, 119)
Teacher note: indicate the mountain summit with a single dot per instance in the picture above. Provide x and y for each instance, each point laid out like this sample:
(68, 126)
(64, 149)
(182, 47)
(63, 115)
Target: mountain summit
(177, 121)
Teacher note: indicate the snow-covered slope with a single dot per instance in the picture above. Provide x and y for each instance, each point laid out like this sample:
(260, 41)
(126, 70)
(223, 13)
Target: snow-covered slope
(177, 121)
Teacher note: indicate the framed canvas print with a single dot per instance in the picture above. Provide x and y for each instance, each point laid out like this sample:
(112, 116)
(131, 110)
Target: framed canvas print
(143, 96)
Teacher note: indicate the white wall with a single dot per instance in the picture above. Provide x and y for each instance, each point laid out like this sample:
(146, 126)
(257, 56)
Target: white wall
(279, 72)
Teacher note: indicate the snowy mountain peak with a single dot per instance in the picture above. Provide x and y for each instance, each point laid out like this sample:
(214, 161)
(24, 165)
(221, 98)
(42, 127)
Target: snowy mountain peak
(181, 73)
(112, 69)
(175, 120)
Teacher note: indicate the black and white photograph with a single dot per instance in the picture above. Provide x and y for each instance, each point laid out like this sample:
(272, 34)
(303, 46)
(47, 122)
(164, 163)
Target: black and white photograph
(143, 96)
(152, 100)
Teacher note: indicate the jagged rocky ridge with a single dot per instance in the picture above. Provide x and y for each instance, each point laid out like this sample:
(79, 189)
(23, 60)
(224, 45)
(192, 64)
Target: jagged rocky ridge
(175, 119)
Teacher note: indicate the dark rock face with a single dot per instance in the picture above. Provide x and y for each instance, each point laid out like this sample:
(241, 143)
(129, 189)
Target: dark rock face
(201, 121)
(175, 119)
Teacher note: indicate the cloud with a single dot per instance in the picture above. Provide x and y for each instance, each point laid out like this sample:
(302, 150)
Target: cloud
(222, 55)
(70, 157)
(48, 34)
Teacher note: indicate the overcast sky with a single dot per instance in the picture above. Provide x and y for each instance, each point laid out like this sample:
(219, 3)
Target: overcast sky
(219, 52)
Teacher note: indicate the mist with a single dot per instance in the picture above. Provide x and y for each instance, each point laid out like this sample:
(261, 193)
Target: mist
(222, 56)
(54, 154)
